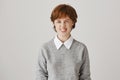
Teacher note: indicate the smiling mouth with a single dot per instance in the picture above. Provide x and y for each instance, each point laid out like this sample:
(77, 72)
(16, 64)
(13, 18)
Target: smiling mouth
(63, 30)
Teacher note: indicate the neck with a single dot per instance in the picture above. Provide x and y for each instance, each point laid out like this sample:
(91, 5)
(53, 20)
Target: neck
(63, 38)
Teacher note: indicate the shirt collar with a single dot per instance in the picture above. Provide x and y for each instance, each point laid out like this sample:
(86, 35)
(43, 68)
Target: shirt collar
(67, 43)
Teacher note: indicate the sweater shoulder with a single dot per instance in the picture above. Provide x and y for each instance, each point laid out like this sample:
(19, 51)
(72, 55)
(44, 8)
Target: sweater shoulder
(79, 44)
(47, 45)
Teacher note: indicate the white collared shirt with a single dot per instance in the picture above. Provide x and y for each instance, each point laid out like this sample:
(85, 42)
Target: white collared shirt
(67, 43)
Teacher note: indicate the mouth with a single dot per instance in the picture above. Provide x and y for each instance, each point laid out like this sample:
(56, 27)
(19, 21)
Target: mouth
(63, 30)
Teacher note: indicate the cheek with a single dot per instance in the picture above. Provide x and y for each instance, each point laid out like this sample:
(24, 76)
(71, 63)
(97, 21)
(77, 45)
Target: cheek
(56, 28)
(56, 25)
(70, 27)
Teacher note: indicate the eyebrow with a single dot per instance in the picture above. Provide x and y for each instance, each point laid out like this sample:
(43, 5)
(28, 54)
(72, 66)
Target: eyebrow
(68, 19)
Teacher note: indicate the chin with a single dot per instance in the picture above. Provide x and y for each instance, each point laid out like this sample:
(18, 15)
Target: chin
(64, 34)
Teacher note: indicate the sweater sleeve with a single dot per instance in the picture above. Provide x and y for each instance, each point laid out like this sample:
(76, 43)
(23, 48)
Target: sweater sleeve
(41, 72)
(85, 68)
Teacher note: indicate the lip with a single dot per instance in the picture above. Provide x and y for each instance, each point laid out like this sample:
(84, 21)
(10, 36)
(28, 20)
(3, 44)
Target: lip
(63, 30)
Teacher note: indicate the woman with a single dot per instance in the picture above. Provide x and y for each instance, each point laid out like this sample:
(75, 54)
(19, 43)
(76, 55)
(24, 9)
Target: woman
(63, 58)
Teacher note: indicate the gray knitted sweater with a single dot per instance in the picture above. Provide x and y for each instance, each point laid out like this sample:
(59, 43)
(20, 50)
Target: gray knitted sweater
(63, 63)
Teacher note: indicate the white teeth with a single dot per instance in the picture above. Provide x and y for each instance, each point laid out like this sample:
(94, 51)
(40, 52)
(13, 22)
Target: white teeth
(63, 30)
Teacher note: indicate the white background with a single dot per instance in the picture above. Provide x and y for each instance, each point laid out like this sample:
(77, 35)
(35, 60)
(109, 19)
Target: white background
(25, 25)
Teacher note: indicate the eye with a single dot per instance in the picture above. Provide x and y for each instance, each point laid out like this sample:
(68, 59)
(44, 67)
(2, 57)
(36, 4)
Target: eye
(58, 21)
(67, 21)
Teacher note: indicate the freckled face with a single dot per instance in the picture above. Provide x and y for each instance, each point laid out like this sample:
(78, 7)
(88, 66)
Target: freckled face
(63, 26)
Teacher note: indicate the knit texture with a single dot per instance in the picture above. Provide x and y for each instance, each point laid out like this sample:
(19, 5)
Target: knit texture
(63, 64)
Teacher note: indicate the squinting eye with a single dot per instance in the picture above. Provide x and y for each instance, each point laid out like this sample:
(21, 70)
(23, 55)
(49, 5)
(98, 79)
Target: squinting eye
(67, 21)
(58, 21)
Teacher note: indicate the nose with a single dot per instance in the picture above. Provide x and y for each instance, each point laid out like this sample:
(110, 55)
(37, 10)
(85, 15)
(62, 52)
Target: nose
(63, 24)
